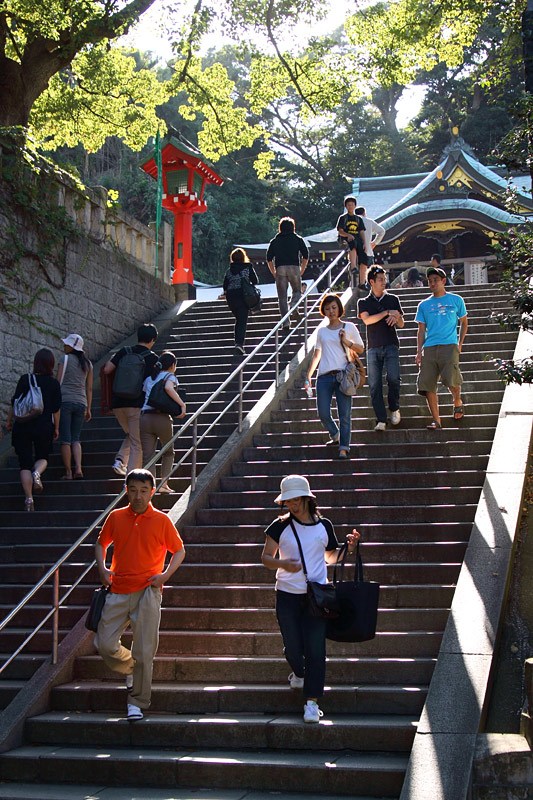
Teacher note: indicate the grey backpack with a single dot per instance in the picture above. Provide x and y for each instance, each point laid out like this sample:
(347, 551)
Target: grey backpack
(129, 375)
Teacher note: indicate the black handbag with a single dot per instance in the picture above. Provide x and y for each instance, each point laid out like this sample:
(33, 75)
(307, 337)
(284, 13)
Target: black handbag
(358, 604)
(159, 399)
(321, 597)
(250, 293)
(95, 609)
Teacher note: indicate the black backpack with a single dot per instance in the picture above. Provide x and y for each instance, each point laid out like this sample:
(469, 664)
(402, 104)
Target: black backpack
(129, 374)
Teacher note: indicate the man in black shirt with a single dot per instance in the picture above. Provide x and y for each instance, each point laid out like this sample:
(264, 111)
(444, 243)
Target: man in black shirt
(128, 410)
(382, 313)
(287, 258)
(349, 227)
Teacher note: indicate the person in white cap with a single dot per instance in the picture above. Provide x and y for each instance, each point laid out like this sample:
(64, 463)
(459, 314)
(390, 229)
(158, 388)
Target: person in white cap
(75, 374)
(304, 636)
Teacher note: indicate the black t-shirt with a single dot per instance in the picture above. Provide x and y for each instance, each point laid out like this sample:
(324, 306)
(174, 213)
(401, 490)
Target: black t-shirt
(351, 223)
(149, 362)
(380, 334)
(285, 249)
(51, 393)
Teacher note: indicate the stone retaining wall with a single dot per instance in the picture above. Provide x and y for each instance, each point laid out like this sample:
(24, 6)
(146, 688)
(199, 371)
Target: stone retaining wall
(90, 286)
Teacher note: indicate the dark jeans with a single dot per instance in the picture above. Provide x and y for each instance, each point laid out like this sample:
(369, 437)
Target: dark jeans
(239, 309)
(70, 421)
(377, 358)
(304, 640)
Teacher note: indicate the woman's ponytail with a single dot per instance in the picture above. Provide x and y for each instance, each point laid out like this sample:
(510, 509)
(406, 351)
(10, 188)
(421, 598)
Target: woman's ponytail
(166, 360)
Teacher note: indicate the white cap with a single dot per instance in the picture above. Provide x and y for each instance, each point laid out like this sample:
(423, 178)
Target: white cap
(294, 486)
(73, 340)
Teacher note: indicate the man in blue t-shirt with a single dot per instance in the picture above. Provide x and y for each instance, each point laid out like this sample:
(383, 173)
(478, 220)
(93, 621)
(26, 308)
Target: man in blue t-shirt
(438, 349)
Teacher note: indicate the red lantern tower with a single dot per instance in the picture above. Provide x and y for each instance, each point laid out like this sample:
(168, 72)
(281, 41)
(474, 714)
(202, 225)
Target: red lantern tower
(185, 176)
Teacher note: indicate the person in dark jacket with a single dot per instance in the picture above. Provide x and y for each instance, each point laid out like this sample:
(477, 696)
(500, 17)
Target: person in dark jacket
(32, 439)
(287, 258)
(239, 268)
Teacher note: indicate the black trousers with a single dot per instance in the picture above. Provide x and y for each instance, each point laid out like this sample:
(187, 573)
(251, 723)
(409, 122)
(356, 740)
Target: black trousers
(304, 640)
(239, 309)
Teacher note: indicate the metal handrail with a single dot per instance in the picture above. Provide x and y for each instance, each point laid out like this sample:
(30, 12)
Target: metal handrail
(191, 451)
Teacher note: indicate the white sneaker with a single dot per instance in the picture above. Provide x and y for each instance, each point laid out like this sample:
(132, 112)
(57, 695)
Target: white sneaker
(119, 467)
(295, 682)
(129, 682)
(381, 426)
(395, 417)
(312, 713)
(134, 712)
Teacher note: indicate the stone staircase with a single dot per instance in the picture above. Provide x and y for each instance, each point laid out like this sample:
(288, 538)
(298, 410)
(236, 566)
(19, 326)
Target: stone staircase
(222, 714)
(202, 339)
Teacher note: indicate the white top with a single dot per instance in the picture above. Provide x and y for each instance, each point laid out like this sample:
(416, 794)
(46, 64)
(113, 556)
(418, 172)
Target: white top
(328, 342)
(149, 384)
(371, 227)
(315, 538)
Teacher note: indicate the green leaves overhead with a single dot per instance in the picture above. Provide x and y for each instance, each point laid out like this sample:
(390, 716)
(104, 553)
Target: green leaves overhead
(99, 95)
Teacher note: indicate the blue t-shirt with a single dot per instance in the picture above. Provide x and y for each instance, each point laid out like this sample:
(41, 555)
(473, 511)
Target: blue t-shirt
(440, 315)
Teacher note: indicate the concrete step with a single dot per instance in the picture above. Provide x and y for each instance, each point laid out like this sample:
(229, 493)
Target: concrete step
(243, 731)
(265, 698)
(376, 774)
(368, 480)
(353, 670)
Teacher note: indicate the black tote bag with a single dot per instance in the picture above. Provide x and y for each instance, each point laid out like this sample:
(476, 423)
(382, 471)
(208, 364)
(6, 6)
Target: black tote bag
(358, 604)
(95, 609)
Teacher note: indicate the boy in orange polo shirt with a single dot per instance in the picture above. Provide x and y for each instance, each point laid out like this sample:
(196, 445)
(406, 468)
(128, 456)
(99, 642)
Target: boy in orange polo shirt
(141, 537)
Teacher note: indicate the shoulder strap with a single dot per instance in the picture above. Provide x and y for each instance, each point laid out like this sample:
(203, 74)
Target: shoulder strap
(299, 547)
(64, 368)
(348, 359)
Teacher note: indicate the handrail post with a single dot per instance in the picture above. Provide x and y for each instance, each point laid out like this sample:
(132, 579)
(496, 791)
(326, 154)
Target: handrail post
(55, 618)
(277, 358)
(241, 384)
(305, 324)
(194, 454)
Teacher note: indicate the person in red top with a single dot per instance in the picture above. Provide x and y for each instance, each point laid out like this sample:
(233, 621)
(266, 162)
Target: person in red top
(141, 537)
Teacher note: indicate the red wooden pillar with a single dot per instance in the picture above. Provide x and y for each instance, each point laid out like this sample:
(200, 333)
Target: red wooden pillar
(182, 247)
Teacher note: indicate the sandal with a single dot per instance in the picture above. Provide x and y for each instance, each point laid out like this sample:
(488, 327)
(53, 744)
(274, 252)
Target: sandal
(28, 504)
(66, 477)
(458, 412)
(78, 476)
(165, 490)
(435, 426)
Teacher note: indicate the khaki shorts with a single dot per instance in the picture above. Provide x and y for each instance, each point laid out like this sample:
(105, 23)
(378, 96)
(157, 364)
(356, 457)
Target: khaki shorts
(440, 361)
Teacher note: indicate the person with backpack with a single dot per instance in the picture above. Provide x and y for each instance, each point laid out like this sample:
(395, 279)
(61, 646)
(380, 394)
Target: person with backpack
(131, 366)
(34, 434)
(155, 423)
(75, 375)
(239, 270)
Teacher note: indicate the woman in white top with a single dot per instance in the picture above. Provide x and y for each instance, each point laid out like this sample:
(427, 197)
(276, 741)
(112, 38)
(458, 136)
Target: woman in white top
(157, 424)
(304, 636)
(333, 342)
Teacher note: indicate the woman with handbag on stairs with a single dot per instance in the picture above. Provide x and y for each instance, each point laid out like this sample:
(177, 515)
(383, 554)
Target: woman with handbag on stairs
(240, 270)
(304, 542)
(156, 424)
(337, 344)
(33, 436)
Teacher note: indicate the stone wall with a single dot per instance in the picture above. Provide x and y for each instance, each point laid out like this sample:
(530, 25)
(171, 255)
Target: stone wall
(87, 286)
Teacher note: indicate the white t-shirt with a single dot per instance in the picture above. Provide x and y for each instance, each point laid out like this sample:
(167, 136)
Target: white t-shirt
(371, 227)
(149, 384)
(315, 538)
(328, 342)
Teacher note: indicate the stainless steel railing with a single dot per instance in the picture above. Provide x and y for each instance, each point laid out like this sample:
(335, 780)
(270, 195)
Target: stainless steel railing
(53, 573)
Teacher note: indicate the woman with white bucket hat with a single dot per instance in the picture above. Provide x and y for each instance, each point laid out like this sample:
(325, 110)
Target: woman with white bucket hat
(75, 374)
(304, 636)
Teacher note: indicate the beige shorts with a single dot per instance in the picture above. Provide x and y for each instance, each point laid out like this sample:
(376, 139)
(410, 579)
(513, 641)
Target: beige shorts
(440, 361)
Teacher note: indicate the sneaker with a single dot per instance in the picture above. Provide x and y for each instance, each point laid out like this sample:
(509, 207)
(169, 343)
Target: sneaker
(312, 713)
(129, 682)
(134, 712)
(333, 440)
(381, 426)
(239, 348)
(395, 417)
(37, 482)
(295, 682)
(119, 467)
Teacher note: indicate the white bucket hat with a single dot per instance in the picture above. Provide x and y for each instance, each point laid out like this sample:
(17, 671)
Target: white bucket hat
(73, 340)
(294, 486)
